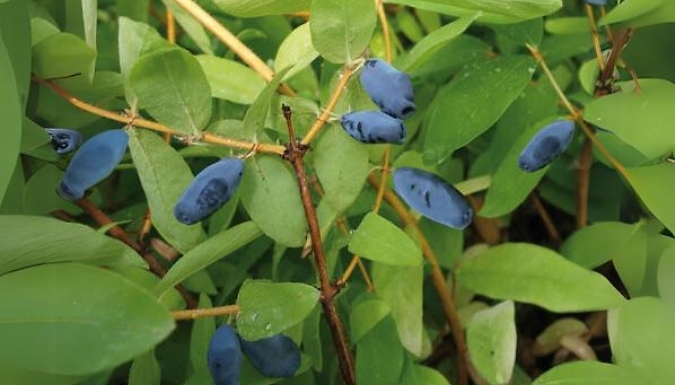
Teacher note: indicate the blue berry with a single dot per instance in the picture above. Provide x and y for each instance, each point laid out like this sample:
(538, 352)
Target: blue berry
(64, 140)
(93, 162)
(432, 197)
(373, 127)
(210, 189)
(596, 2)
(389, 88)
(224, 356)
(546, 145)
(276, 356)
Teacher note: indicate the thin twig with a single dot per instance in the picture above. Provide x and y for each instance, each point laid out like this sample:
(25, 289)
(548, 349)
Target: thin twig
(295, 154)
(382, 14)
(170, 27)
(551, 228)
(437, 278)
(595, 36)
(584, 182)
(191, 314)
(232, 42)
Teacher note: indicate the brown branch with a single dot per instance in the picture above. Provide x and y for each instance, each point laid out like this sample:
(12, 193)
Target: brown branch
(584, 182)
(117, 232)
(295, 154)
(551, 228)
(438, 280)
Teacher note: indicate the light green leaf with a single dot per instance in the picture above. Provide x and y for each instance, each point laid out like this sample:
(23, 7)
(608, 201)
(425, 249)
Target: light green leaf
(491, 339)
(626, 111)
(202, 331)
(15, 26)
(296, 51)
(584, 372)
(418, 374)
(254, 120)
(342, 166)
(469, 105)
(148, 280)
(172, 87)
(379, 240)
(208, 252)
(654, 185)
(494, 11)
(510, 185)
(164, 175)
(145, 370)
(29, 241)
(627, 10)
(135, 40)
(231, 80)
(533, 274)
(401, 289)
(366, 312)
(598, 243)
(341, 29)
(272, 200)
(11, 112)
(254, 8)
(431, 43)
(96, 321)
(267, 308)
(379, 355)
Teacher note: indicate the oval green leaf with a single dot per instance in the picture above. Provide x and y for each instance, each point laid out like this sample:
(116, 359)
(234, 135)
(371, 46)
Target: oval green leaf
(491, 340)
(231, 80)
(379, 240)
(96, 321)
(254, 8)
(654, 185)
(532, 274)
(582, 372)
(267, 308)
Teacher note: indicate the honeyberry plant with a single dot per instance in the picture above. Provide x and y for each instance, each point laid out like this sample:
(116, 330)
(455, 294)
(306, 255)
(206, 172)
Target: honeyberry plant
(337, 192)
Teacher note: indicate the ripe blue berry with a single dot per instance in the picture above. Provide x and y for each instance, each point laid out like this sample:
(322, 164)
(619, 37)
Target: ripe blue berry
(432, 197)
(224, 356)
(93, 162)
(64, 140)
(276, 356)
(210, 189)
(389, 88)
(596, 2)
(373, 127)
(546, 145)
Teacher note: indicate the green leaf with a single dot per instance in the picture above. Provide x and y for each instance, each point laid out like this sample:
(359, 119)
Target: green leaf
(191, 26)
(296, 51)
(379, 240)
(526, 32)
(341, 29)
(431, 43)
(533, 274)
(254, 8)
(641, 338)
(401, 289)
(494, 11)
(148, 280)
(202, 331)
(145, 370)
(366, 312)
(491, 339)
(164, 175)
(623, 111)
(627, 10)
(172, 87)
(40, 197)
(510, 185)
(133, 9)
(584, 372)
(231, 80)
(272, 200)
(254, 120)
(469, 105)
(62, 55)
(15, 26)
(419, 374)
(30, 241)
(654, 185)
(96, 321)
(267, 308)
(593, 245)
(208, 252)
(135, 40)
(11, 112)
(342, 166)
(665, 274)
(379, 355)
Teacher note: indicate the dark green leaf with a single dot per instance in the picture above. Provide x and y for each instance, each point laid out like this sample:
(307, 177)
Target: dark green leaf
(11, 111)
(63, 55)
(145, 370)
(379, 355)
(494, 11)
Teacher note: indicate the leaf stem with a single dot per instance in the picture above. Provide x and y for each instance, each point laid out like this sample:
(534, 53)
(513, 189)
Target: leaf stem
(379, 4)
(191, 314)
(294, 154)
(170, 27)
(232, 42)
(438, 280)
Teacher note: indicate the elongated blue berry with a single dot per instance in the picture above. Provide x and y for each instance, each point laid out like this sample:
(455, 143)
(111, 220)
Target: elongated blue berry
(432, 197)
(373, 127)
(596, 2)
(93, 162)
(276, 356)
(546, 145)
(64, 140)
(210, 189)
(389, 88)
(224, 356)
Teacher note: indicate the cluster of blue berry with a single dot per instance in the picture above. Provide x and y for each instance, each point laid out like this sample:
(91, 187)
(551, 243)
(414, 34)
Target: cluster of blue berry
(277, 356)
